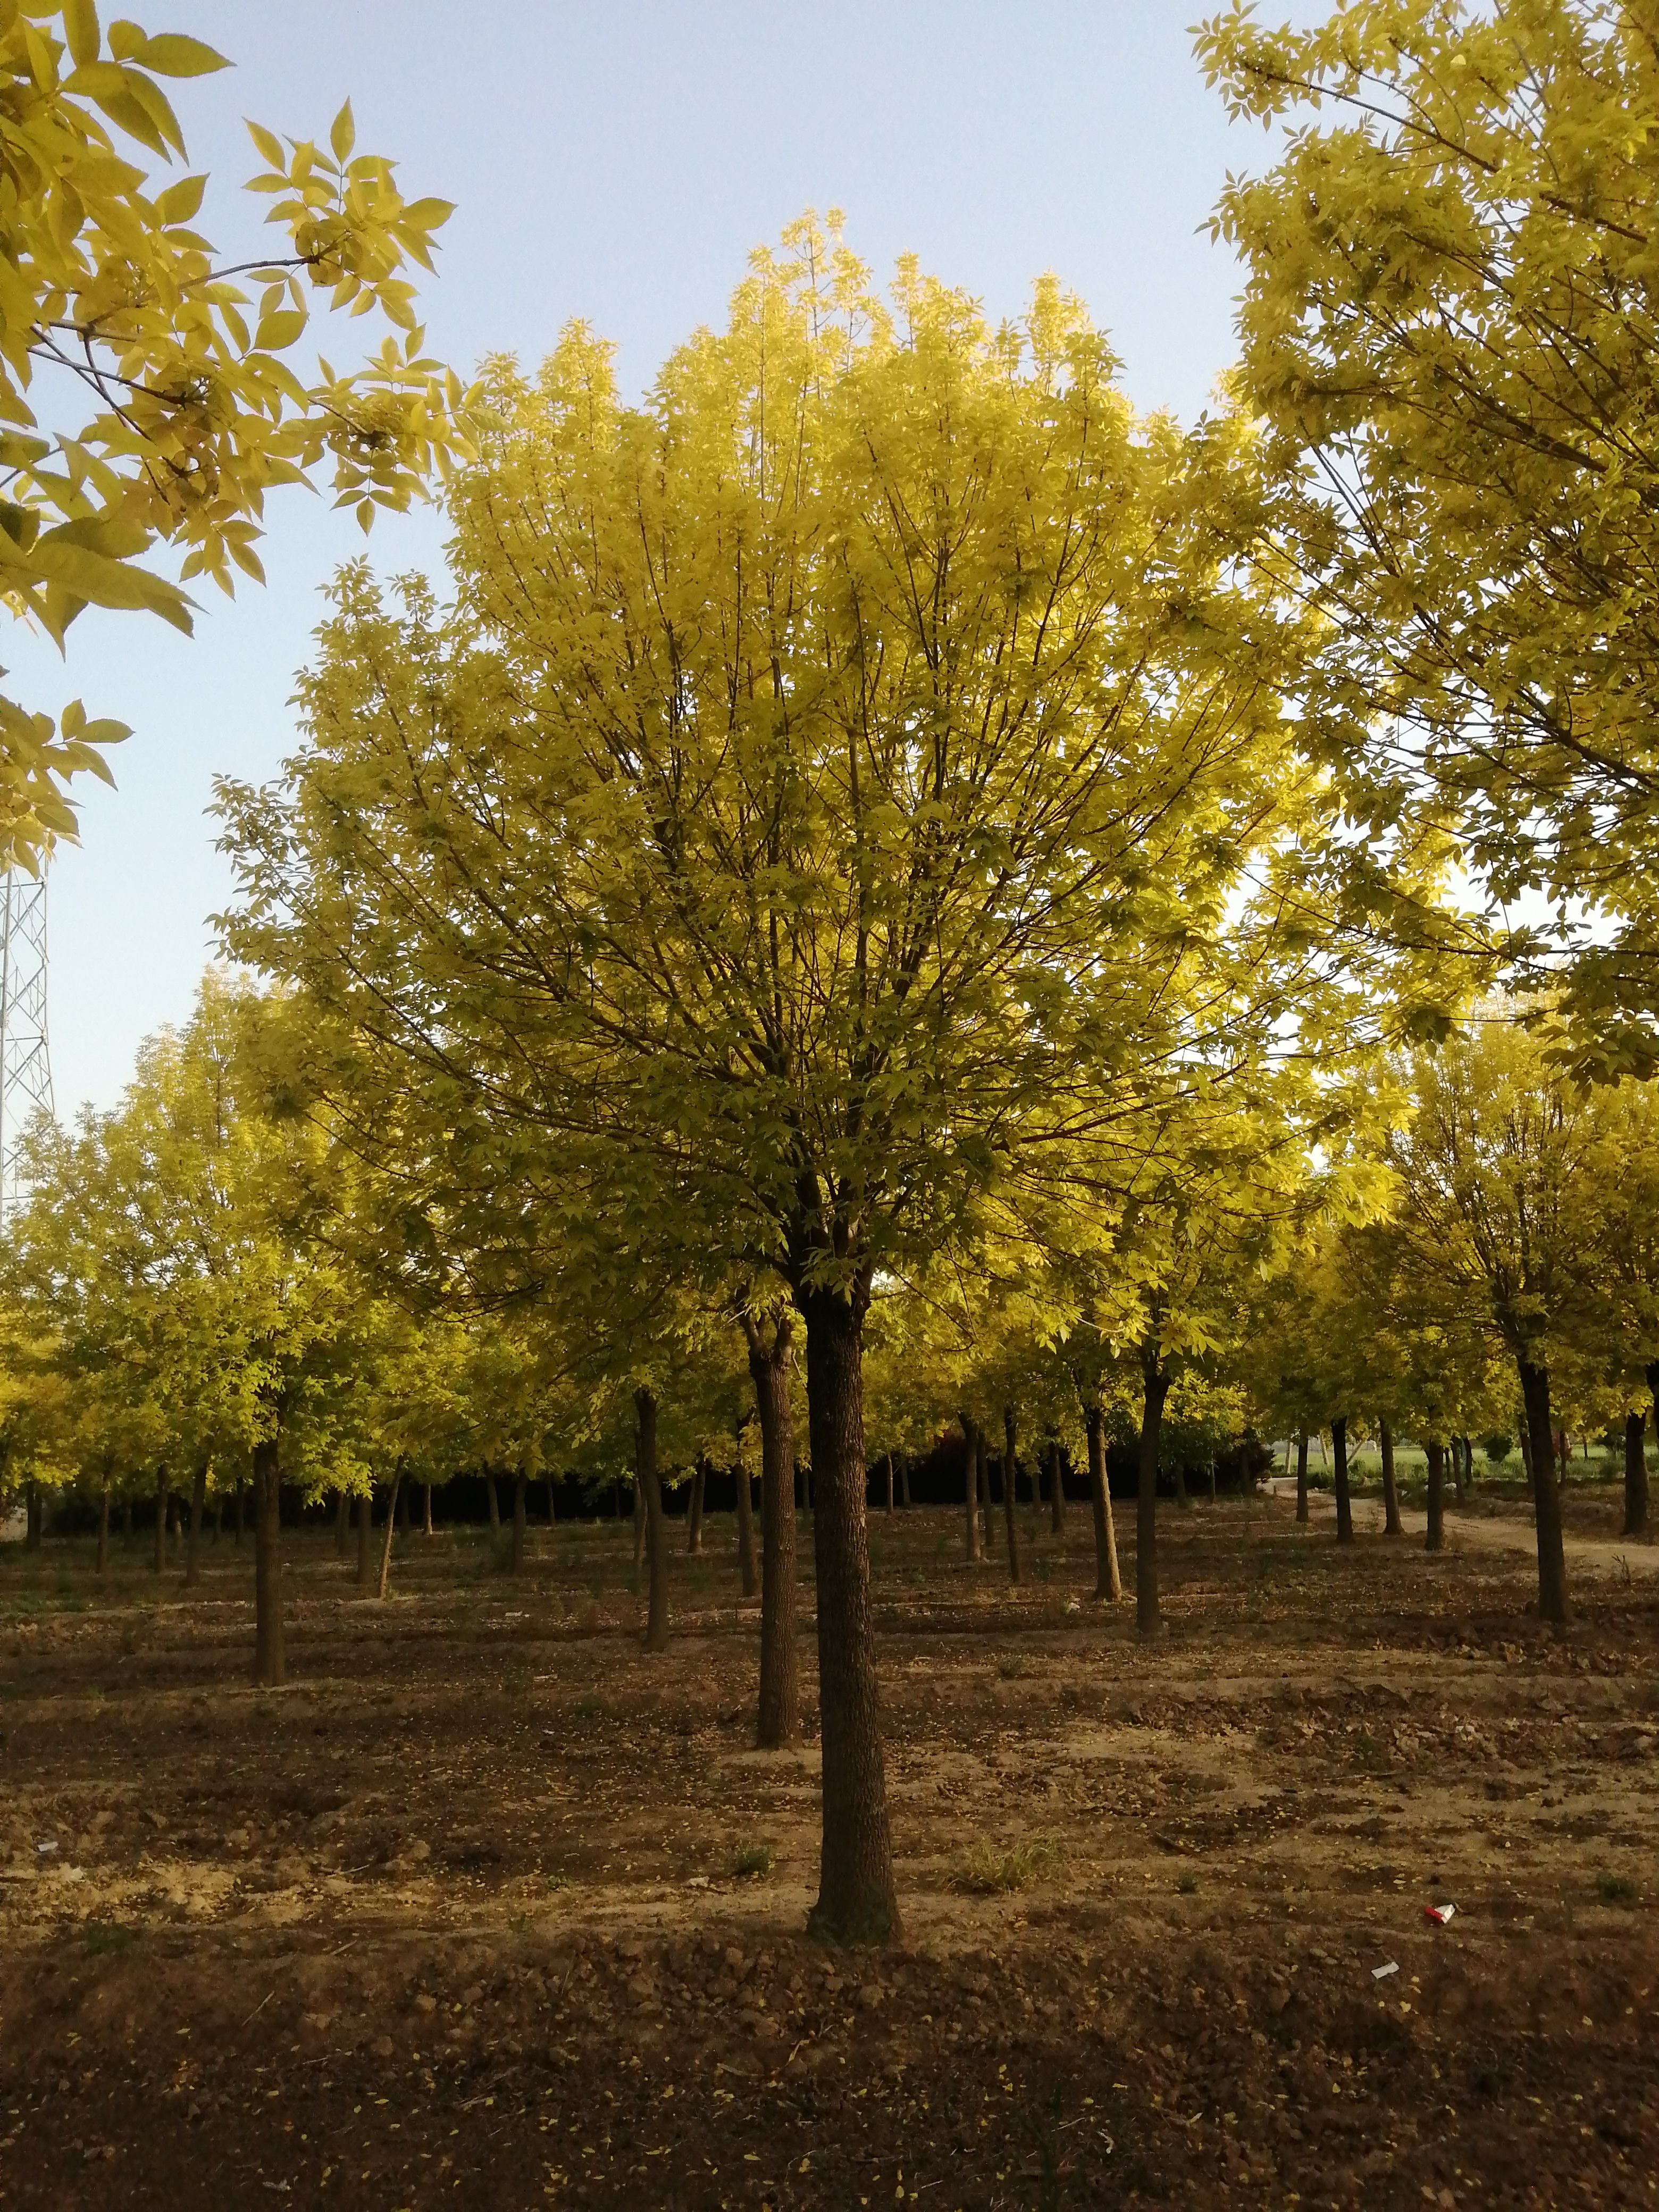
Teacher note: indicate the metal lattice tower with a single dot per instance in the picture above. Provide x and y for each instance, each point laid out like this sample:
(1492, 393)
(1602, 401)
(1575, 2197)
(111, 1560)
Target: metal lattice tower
(25, 1062)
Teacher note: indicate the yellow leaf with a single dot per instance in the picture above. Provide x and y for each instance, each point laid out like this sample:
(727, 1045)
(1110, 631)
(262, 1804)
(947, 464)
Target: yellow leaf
(81, 29)
(343, 135)
(278, 329)
(270, 146)
(172, 54)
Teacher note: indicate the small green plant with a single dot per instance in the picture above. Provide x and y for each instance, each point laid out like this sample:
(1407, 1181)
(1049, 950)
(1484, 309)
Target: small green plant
(753, 1862)
(1188, 1885)
(1013, 1669)
(1615, 1889)
(1497, 1447)
(106, 1939)
(985, 1871)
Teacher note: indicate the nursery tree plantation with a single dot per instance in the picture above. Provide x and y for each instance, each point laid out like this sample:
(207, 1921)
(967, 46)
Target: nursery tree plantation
(864, 1416)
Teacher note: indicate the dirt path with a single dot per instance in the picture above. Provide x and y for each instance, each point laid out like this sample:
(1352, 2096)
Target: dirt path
(1490, 1531)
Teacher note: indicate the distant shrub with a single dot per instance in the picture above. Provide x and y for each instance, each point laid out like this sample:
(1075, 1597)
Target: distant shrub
(1615, 1889)
(1498, 1447)
(753, 1862)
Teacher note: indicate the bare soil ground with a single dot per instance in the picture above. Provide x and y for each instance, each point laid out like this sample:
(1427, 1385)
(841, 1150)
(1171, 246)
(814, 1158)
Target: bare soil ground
(458, 1918)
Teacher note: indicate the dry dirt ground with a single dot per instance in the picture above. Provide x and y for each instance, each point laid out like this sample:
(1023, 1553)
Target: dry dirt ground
(460, 1918)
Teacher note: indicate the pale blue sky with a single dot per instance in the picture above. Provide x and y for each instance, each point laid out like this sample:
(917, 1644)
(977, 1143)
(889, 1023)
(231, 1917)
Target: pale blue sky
(616, 162)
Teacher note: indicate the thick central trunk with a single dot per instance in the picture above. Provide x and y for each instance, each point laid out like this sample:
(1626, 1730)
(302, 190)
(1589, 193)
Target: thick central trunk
(656, 1541)
(1435, 1537)
(385, 1582)
(197, 1503)
(858, 1902)
(1392, 1525)
(1344, 1502)
(1109, 1581)
(778, 1718)
(1155, 1389)
(1302, 1475)
(1010, 1464)
(1636, 1475)
(970, 1485)
(746, 1522)
(268, 1664)
(1546, 1498)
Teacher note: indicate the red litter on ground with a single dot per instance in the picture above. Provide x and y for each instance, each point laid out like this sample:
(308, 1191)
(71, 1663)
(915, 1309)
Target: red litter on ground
(1440, 1914)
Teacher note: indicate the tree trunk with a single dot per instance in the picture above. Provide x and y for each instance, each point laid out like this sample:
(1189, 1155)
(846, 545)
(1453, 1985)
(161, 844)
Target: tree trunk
(126, 1519)
(1155, 1389)
(241, 1497)
(970, 1486)
(639, 1527)
(342, 1523)
(519, 1486)
(1546, 1498)
(552, 1510)
(1109, 1581)
(904, 1482)
(746, 1524)
(1392, 1525)
(1344, 1502)
(426, 1509)
(982, 1487)
(694, 1517)
(1183, 1501)
(656, 1541)
(890, 1482)
(1435, 1540)
(1056, 1490)
(161, 1519)
(1463, 1471)
(778, 1711)
(857, 1901)
(1010, 1464)
(268, 1667)
(1636, 1475)
(365, 1547)
(103, 1527)
(399, 1506)
(192, 1541)
(1526, 1454)
(34, 1516)
(1302, 1476)
(218, 1513)
(385, 1582)
(494, 1503)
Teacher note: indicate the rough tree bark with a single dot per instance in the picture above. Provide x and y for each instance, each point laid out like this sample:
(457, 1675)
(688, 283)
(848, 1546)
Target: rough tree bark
(982, 1485)
(904, 1482)
(1155, 1389)
(1546, 1498)
(1463, 1472)
(778, 1711)
(639, 1529)
(1435, 1538)
(656, 1541)
(1302, 1476)
(494, 1503)
(193, 1537)
(341, 1522)
(970, 1485)
(1392, 1525)
(365, 1539)
(268, 1658)
(1109, 1581)
(1339, 1457)
(1636, 1475)
(857, 1900)
(385, 1582)
(1010, 1465)
(426, 1509)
